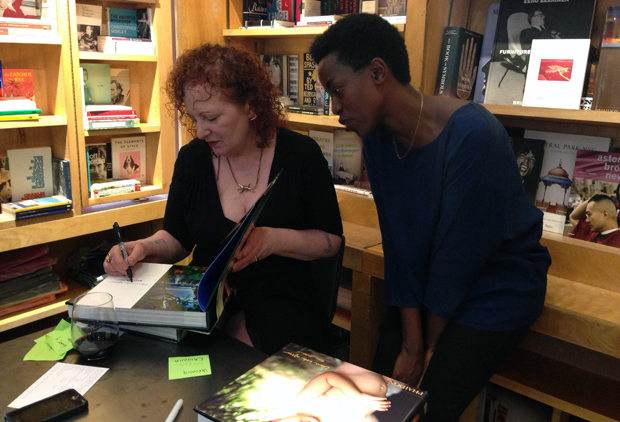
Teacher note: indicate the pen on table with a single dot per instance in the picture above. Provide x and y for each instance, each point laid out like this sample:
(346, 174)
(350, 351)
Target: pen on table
(117, 233)
(175, 411)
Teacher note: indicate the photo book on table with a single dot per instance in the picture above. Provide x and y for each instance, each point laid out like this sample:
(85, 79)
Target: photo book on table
(301, 384)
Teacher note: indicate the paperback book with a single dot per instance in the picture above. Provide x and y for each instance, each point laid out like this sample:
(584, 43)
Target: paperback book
(171, 295)
(277, 64)
(99, 161)
(18, 83)
(123, 45)
(89, 18)
(297, 383)
(519, 23)
(31, 173)
(391, 7)
(309, 87)
(348, 161)
(529, 154)
(96, 83)
(120, 88)
(129, 158)
(6, 193)
(326, 142)
(37, 207)
(293, 78)
(62, 178)
(254, 10)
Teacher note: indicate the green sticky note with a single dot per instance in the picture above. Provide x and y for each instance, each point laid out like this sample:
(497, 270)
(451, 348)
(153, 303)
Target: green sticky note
(188, 366)
(53, 345)
(43, 351)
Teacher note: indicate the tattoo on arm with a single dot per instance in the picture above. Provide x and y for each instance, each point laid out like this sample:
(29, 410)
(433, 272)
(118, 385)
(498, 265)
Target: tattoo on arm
(155, 242)
(330, 248)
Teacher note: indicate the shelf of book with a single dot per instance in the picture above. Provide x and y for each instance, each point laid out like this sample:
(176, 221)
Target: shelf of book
(315, 120)
(587, 117)
(37, 231)
(44, 121)
(143, 128)
(58, 306)
(310, 31)
(87, 55)
(31, 39)
(562, 386)
(144, 191)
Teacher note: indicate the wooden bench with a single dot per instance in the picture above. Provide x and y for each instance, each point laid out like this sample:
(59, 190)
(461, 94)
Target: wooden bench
(582, 307)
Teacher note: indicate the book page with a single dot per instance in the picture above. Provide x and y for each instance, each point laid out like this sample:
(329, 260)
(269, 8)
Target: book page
(125, 293)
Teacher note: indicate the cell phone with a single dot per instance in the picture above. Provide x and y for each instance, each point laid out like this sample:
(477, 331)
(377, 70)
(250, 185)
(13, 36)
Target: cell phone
(52, 409)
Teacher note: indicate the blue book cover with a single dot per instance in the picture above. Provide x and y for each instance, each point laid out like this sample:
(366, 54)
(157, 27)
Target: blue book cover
(485, 51)
(122, 23)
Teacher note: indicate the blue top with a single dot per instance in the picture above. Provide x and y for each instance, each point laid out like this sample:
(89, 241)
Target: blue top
(460, 236)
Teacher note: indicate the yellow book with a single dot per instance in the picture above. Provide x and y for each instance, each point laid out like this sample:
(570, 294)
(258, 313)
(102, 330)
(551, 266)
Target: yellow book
(15, 117)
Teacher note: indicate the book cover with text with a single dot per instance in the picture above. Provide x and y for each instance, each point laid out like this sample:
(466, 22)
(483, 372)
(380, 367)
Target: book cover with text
(96, 83)
(129, 158)
(88, 18)
(18, 83)
(309, 83)
(595, 172)
(31, 173)
(348, 163)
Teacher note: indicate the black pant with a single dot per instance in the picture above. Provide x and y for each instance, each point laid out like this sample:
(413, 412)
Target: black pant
(464, 360)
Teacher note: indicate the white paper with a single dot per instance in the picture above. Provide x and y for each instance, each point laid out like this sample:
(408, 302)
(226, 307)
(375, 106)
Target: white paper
(60, 377)
(564, 93)
(124, 293)
(554, 222)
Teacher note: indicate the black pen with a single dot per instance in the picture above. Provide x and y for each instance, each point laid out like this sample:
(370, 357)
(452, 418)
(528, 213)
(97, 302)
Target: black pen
(117, 233)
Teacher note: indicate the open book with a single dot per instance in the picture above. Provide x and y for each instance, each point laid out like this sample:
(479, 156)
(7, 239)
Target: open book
(178, 296)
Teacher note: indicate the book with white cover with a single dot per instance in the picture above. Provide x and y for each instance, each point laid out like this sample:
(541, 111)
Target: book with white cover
(558, 166)
(31, 173)
(556, 73)
(88, 18)
(326, 142)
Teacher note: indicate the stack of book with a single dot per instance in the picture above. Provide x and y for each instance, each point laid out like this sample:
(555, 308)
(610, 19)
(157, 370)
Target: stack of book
(124, 45)
(110, 117)
(18, 108)
(37, 207)
(26, 279)
(322, 20)
(114, 187)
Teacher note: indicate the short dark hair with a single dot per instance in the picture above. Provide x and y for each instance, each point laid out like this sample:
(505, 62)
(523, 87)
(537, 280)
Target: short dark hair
(601, 197)
(361, 37)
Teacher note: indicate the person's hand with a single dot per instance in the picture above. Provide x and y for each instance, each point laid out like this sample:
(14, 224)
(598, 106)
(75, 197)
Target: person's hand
(374, 403)
(467, 70)
(409, 367)
(259, 245)
(115, 265)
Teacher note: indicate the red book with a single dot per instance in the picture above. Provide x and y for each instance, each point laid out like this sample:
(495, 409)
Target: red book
(18, 83)
(112, 113)
(113, 117)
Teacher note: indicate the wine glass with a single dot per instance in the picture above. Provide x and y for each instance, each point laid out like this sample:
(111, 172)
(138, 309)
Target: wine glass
(94, 325)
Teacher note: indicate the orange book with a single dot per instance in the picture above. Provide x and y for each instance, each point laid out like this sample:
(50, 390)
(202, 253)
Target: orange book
(18, 83)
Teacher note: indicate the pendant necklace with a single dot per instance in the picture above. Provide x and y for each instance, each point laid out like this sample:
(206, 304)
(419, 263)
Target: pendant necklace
(248, 187)
(414, 133)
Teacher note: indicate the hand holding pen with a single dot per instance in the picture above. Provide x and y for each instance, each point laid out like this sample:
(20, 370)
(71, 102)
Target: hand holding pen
(121, 245)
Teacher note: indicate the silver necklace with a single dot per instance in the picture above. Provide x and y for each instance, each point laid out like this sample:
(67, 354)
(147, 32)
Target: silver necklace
(248, 187)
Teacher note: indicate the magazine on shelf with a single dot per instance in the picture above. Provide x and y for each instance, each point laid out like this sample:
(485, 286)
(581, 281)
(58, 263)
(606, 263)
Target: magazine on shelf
(301, 384)
(171, 295)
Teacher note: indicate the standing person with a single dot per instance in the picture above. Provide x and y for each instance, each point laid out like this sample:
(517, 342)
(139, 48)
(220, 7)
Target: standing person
(225, 97)
(465, 273)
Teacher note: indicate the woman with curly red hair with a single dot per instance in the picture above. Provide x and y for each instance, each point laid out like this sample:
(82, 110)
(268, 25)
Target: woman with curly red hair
(225, 97)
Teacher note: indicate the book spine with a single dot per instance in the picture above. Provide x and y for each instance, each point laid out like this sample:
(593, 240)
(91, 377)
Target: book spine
(101, 117)
(40, 214)
(67, 172)
(115, 191)
(112, 124)
(23, 212)
(309, 88)
(14, 117)
(447, 61)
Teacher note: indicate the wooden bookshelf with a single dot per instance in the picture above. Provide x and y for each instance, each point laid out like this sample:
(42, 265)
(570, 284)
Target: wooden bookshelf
(143, 128)
(44, 121)
(30, 39)
(103, 57)
(308, 119)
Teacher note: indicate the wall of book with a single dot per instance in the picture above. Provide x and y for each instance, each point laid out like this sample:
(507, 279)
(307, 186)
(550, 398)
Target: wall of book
(125, 135)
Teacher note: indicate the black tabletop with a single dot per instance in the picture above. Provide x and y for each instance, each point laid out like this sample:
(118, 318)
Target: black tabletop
(136, 386)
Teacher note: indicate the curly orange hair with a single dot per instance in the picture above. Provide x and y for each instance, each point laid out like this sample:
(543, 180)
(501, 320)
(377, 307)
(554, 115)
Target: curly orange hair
(242, 77)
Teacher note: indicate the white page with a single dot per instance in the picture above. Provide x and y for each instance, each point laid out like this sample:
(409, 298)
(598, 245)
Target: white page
(124, 293)
(60, 377)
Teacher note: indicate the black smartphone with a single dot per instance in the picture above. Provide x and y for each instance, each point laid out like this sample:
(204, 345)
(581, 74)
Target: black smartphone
(54, 408)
